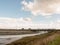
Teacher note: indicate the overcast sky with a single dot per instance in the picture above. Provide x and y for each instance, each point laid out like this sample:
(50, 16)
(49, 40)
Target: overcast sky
(30, 14)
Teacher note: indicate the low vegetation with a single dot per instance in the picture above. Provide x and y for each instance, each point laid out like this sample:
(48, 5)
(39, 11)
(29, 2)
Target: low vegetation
(16, 32)
(56, 41)
(50, 38)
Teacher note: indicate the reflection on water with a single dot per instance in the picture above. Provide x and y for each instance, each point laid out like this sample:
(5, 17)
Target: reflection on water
(10, 38)
(2, 44)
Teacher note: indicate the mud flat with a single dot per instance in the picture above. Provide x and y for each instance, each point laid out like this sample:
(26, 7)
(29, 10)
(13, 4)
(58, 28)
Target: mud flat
(6, 39)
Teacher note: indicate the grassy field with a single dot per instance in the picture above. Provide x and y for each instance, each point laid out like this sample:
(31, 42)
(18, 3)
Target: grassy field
(51, 38)
(56, 41)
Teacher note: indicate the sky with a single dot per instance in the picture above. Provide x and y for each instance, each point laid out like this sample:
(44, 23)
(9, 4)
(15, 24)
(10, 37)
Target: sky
(35, 14)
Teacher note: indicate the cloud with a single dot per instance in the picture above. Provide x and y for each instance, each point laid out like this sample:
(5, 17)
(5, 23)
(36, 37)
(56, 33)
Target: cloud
(7, 23)
(57, 24)
(18, 23)
(13, 23)
(42, 7)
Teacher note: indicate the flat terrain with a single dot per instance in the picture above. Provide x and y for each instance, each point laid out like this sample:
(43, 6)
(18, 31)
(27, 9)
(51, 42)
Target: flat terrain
(21, 31)
(16, 32)
(50, 38)
(6, 39)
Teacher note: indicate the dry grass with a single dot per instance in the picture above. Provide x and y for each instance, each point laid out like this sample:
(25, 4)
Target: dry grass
(43, 39)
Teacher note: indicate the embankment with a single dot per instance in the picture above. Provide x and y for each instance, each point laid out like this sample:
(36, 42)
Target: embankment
(43, 39)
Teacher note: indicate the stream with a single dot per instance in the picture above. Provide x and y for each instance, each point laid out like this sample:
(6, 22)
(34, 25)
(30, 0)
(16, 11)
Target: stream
(5, 39)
